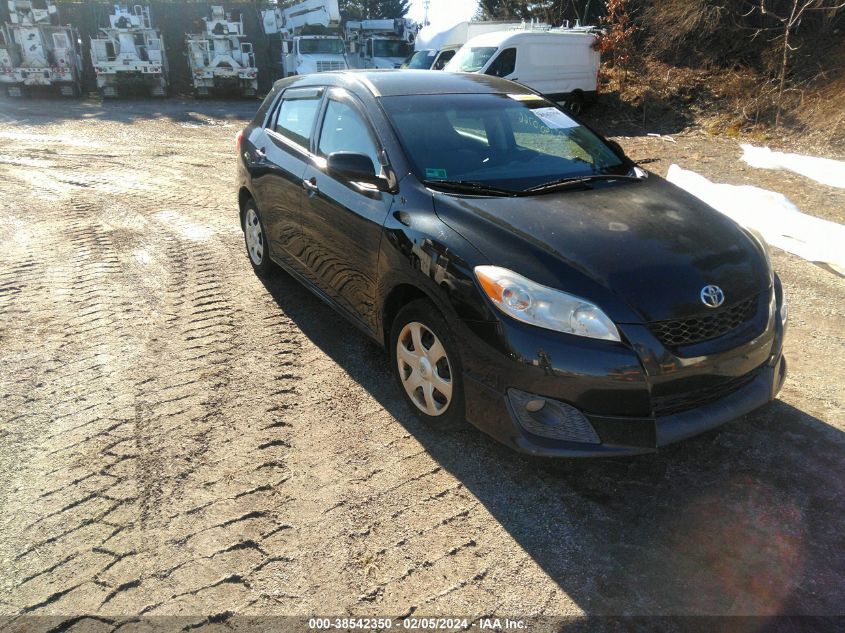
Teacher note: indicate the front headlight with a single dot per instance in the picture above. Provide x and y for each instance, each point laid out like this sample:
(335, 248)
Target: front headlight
(545, 307)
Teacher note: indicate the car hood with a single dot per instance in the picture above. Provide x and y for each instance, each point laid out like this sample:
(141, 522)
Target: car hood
(388, 62)
(647, 244)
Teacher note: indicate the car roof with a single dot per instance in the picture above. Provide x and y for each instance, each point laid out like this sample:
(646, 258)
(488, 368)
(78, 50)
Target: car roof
(391, 83)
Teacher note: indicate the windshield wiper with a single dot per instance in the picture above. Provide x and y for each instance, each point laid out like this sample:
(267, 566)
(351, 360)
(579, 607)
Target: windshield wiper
(580, 181)
(471, 186)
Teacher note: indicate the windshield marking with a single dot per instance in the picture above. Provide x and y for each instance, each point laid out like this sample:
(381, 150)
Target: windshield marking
(554, 118)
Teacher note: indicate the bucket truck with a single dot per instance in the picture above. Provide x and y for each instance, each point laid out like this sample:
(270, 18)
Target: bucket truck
(129, 54)
(36, 51)
(380, 43)
(301, 52)
(220, 59)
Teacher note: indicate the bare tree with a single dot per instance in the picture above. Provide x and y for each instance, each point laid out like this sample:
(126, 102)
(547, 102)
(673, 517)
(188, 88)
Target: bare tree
(789, 22)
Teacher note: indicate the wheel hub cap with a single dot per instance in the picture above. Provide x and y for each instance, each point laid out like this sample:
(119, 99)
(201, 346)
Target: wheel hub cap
(424, 369)
(254, 237)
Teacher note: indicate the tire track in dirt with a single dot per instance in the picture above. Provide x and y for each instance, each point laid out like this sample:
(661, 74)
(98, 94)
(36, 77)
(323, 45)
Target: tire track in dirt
(119, 516)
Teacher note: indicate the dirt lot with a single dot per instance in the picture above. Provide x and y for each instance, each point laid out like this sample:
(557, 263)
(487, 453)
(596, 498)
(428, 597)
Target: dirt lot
(177, 437)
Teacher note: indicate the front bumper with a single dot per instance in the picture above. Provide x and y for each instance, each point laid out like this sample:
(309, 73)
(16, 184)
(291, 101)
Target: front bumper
(637, 396)
(37, 76)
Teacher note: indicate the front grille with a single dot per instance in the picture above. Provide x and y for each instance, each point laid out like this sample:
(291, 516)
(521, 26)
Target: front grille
(703, 328)
(678, 402)
(325, 66)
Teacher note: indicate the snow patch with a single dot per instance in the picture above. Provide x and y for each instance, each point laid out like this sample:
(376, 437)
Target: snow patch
(824, 170)
(772, 214)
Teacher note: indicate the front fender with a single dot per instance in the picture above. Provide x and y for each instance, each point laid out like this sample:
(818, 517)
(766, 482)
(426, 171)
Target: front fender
(420, 251)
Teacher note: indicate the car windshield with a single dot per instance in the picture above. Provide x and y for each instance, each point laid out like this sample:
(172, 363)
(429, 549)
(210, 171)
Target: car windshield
(512, 142)
(421, 60)
(332, 46)
(471, 59)
(391, 48)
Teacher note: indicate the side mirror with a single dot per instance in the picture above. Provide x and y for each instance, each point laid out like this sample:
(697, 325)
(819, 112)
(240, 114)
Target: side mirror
(355, 168)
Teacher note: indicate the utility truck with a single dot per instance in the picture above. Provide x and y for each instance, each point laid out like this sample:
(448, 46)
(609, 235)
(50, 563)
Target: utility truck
(220, 60)
(434, 46)
(129, 54)
(310, 37)
(38, 52)
(380, 43)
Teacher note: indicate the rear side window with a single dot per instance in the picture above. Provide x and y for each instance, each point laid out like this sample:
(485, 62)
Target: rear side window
(504, 64)
(296, 114)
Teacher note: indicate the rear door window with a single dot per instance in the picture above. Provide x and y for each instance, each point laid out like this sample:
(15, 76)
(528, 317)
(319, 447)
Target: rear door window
(295, 116)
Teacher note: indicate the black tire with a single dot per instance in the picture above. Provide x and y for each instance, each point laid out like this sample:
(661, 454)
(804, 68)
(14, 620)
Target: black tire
(424, 312)
(575, 103)
(262, 265)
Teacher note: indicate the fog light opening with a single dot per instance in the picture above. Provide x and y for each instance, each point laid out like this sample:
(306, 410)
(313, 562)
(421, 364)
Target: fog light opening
(551, 418)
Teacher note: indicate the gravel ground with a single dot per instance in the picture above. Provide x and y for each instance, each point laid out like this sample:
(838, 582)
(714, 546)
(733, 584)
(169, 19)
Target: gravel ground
(179, 438)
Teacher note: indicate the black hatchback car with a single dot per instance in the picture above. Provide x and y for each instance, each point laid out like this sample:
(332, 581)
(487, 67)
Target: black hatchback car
(521, 271)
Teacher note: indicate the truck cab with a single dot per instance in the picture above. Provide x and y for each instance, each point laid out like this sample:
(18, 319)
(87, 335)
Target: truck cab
(306, 54)
(384, 43)
(385, 52)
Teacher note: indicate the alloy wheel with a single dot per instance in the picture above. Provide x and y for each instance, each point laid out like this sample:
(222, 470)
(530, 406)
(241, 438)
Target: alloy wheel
(424, 368)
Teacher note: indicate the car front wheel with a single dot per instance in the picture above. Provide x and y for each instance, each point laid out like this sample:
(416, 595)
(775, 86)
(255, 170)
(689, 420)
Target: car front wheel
(426, 364)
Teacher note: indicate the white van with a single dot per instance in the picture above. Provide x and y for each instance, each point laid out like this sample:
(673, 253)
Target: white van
(561, 64)
(434, 46)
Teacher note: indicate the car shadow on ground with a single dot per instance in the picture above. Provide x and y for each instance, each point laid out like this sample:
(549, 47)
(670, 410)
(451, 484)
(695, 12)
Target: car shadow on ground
(743, 520)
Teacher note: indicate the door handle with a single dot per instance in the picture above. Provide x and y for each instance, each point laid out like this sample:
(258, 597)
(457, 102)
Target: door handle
(260, 154)
(310, 186)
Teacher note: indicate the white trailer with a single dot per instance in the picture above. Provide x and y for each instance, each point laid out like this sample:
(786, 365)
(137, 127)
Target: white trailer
(435, 46)
(220, 59)
(36, 51)
(129, 54)
(380, 43)
(304, 53)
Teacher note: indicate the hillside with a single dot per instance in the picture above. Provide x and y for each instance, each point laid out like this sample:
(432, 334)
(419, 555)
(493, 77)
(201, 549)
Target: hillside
(717, 64)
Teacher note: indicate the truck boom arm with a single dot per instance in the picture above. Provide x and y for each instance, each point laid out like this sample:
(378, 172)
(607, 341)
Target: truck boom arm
(309, 13)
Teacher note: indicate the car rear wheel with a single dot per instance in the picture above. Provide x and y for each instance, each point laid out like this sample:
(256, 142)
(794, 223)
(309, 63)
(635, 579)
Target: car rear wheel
(255, 239)
(426, 364)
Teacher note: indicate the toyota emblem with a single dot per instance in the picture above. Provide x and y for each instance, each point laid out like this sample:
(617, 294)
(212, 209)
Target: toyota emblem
(712, 296)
